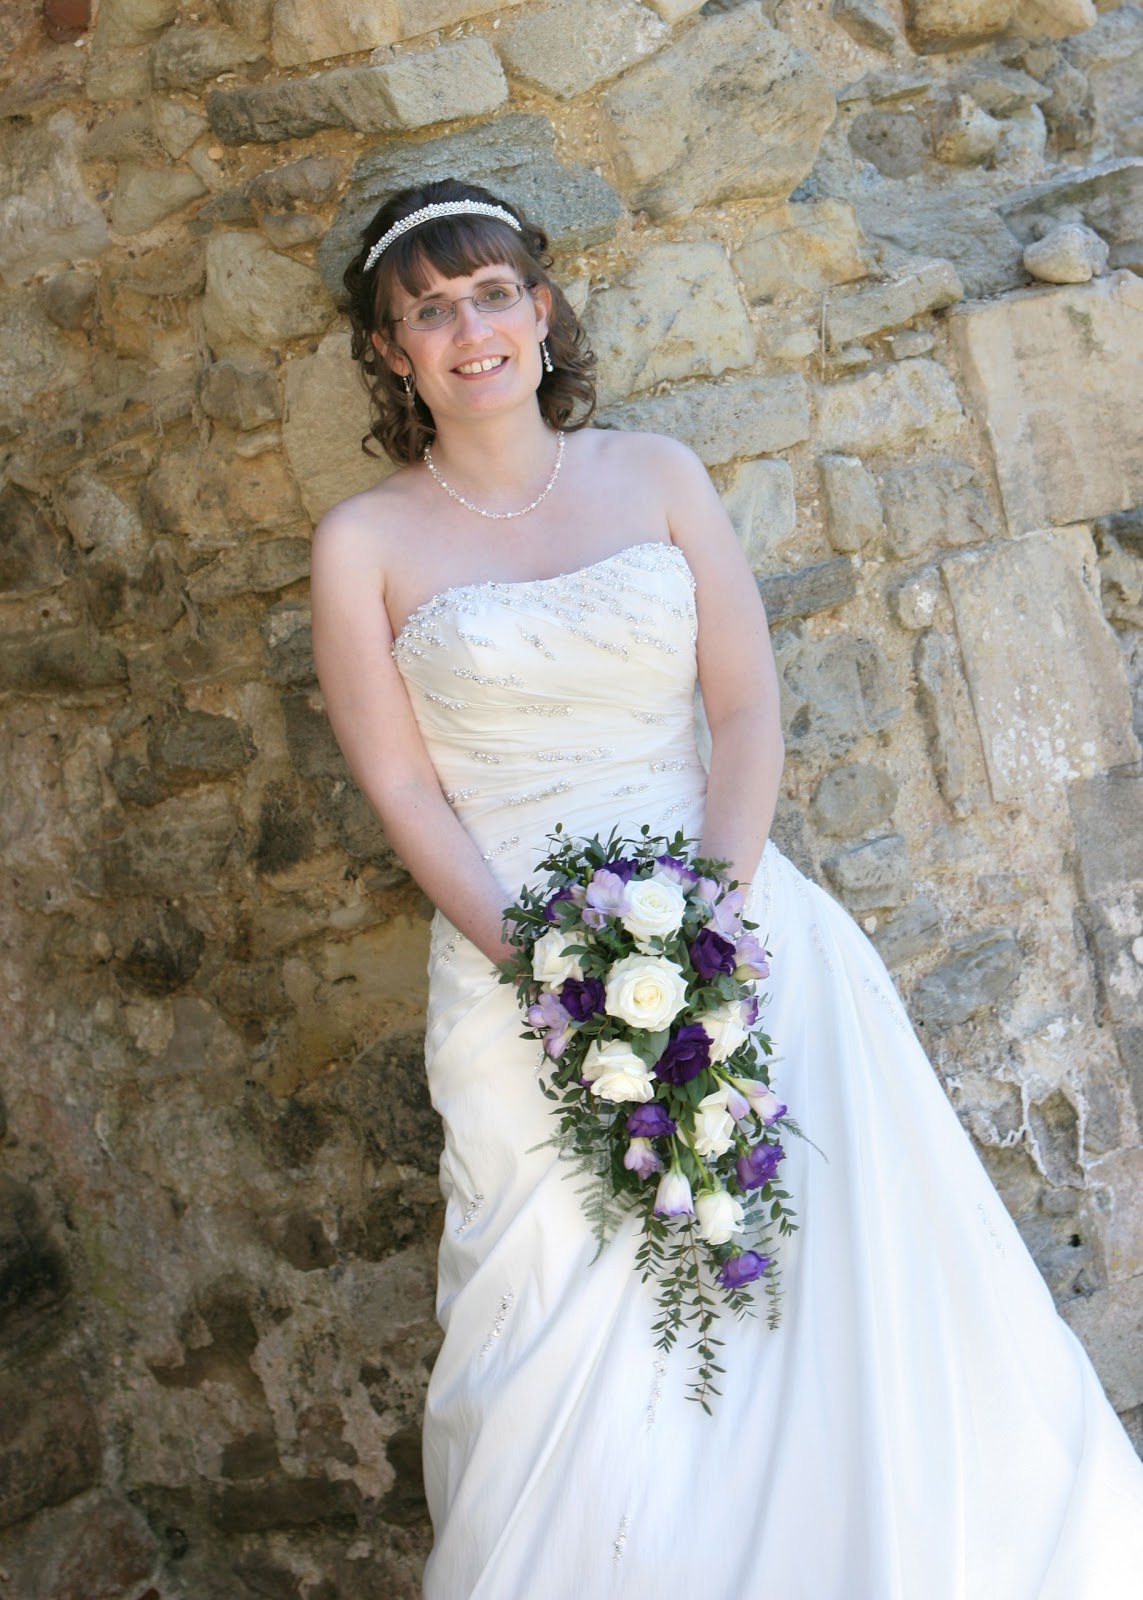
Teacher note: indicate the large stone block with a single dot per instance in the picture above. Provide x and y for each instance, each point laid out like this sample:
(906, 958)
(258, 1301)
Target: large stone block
(1118, 1177)
(1046, 676)
(834, 691)
(872, 876)
(461, 79)
(178, 847)
(759, 500)
(1059, 384)
(805, 245)
(422, 16)
(853, 505)
(184, 58)
(1107, 198)
(937, 25)
(59, 661)
(936, 501)
(30, 547)
(129, 22)
(853, 799)
(888, 408)
(326, 419)
(257, 299)
(212, 498)
(567, 49)
(1110, 56)
(721, 421)
(145, 195)
(96, 1547)
(305, 32)
(926, 286)
(34, 1277)
(730, 112)
(513, 156)
(961, 227)
(47, 217)
(957, 757)
(676, 314)
(803, 593)
(980, 969)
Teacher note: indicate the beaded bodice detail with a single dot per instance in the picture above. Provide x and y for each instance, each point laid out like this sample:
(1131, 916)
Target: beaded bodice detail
(557, 699)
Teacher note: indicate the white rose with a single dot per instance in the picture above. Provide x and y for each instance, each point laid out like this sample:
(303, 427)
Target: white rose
(714, 1125)
(645, 992)
(719, 1216)
(549, 964)
(617, 1073)
(723, 1027)
(655, 909)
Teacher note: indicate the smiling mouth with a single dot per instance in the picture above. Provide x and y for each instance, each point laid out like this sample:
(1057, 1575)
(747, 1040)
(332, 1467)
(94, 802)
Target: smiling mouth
(488, 364)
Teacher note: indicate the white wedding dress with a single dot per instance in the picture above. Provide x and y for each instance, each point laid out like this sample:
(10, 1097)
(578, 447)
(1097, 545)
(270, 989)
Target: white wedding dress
(923, 1425)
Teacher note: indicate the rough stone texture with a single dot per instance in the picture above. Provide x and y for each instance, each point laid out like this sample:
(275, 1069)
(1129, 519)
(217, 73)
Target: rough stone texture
(800, 594)
(50, 1449)
(746, 417)
(958, 760)
(961, 227)
(258, 299)
(1046, 676)
(871, 876)
(244, 397)
(1107, 198)
(888, 408)
(326, 418)
(928, 286)
(184, 58)
(1070, 253)
(513, 156)
(907, 934)
(853, 505)
(145, 195)
(1110, 57)
(303, 32)
(676, 129)
(128, 22)
(966, 135)
(677, 314)
(568, 48)
(982, 969)
(1108, 1322)
(834, 692)
(463, 79)
(866, 22)
(937, 501)
(936, 25)
(808, 245)
(760, 502)
(93, 1548)
(1059, 462)
(47, 217)
(853, 799)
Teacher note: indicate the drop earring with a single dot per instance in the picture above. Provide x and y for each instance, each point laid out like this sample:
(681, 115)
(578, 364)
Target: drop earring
(410, 385)
(544, 351)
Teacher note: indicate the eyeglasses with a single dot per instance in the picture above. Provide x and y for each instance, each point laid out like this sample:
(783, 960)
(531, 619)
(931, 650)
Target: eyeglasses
(438, 312)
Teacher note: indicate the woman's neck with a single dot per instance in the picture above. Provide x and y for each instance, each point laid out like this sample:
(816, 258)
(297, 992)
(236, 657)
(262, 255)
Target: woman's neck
(501, 457)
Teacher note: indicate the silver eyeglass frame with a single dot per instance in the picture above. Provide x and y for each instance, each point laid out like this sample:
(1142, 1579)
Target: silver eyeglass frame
(495, 283)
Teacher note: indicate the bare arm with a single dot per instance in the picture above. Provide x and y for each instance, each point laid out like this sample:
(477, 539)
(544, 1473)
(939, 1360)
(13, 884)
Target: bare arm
(737, 674)
(369, 709)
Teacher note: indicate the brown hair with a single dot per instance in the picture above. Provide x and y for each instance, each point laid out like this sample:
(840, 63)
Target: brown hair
(455, 247)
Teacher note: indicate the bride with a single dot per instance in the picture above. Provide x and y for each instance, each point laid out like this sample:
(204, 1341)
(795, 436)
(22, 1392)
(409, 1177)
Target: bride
(507, 632)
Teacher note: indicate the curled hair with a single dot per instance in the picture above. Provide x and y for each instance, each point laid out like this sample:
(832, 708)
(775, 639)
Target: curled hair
(455, 247)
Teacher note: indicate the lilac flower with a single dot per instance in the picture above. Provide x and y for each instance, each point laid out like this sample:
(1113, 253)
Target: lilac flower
(606, 897)
(763, 1101)
(687, 1053)
(750, 1010)
(750, 958)
(674, 1198)
(759, 1165)
(642, 1159)
(742, 1268)
(650, 1121)
(727, 918)
(582, 998)
(550, 914)
(737, 1104)
(676, 871)
(549, 1013)
(711, 954)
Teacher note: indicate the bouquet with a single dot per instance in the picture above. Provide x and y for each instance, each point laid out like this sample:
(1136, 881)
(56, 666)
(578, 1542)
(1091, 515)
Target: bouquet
(636, 968)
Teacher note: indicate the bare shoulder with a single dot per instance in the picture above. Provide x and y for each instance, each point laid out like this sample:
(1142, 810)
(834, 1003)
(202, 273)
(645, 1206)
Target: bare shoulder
(359, 538)
(649, 452)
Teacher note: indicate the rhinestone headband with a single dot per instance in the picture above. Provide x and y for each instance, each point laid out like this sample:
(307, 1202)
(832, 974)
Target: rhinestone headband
(442, 208)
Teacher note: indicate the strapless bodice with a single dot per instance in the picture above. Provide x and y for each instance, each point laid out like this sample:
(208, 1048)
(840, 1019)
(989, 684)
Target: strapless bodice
(566, 699)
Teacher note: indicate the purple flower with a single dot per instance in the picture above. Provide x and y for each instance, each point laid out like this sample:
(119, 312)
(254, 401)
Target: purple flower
(743, 1268)
(606, 897)
(641, 1158)
(750, 958)
(625, 868)
(582, 998)
(550, 909)
(687, 1053)
(549, 1013)
(650, 1121)
(676, 871)
(711, 954)
(737, 1104)
(750, 1010)
(759, 1165)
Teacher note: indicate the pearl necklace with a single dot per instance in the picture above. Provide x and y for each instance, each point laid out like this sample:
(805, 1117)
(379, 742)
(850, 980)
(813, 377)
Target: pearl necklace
(499, 516)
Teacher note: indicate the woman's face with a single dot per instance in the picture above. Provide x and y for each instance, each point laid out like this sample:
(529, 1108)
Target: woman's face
(481, 361)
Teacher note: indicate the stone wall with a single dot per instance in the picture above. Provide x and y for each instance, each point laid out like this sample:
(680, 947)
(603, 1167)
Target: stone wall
(881, 269)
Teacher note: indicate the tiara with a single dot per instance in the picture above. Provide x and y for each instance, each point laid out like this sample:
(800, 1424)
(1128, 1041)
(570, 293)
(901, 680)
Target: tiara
(442, 208)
